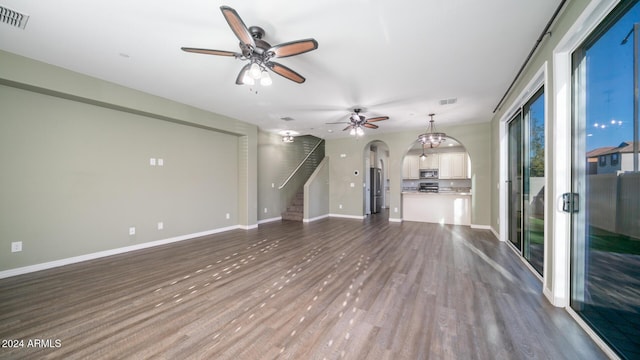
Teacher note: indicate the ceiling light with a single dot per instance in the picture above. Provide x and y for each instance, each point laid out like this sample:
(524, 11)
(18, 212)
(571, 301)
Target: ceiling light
(352, 132)
(247, 79)
(432, 137)
(255, 71)
(359, 131)
(287, 137)
(265, 79)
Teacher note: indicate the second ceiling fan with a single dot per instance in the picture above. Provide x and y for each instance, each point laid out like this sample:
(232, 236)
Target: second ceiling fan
(357, 122)
(258, 52)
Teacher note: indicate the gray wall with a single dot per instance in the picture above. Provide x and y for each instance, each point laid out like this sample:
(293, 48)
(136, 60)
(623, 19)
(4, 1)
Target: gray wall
(316, 192)
(75, 151)
(276, 161)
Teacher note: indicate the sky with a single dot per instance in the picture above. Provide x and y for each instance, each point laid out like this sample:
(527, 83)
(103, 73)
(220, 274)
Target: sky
(610, 85)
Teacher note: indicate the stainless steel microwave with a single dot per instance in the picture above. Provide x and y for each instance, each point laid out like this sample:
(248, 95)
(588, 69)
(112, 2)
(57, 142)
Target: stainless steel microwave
(428, 173)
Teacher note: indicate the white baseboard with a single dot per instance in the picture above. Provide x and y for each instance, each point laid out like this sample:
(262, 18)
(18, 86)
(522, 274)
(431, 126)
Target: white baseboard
(248, 227)
(307, 220)
(264, 221)
(100, 254)
(347, 216)
(397, 220)
(482, 227)
(495, 233)
(486, 227)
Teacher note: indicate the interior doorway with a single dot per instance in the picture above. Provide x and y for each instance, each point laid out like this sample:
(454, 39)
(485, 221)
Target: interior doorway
(376, 178)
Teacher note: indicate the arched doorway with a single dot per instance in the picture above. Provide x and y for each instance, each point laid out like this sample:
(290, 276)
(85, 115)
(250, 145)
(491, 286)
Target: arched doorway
(444, 170)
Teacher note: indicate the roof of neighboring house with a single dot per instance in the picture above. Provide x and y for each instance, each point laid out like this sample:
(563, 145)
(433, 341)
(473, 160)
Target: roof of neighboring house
(599, 151)
(625, 147)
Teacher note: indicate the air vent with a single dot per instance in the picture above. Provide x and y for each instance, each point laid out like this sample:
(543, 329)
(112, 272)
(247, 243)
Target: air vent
(287, 118)
(448, 101)
(13, 18)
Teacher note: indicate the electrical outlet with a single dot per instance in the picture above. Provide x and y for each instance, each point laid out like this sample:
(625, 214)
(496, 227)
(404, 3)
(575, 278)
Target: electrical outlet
(132, 230)
(228, 216)
(340, 206)
(152, 161)
(160, 225)
(395, 209)
(160, 162)
(16, 246)
(265, 210)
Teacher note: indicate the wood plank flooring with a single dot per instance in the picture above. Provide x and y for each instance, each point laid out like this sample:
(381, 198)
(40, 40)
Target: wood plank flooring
(331, 289)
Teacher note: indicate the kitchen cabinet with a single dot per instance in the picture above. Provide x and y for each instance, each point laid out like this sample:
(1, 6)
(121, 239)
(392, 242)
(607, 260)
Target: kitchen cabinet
(432, 161)
(453, 166)
(411, 167)
(437, 208)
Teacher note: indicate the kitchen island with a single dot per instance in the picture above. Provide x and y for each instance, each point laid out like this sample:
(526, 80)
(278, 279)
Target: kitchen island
(442, 207)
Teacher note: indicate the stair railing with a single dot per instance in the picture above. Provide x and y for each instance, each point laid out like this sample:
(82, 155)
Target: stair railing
(300, 165)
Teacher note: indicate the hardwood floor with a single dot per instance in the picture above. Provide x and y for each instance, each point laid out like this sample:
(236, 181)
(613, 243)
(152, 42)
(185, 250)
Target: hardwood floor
(330, 289)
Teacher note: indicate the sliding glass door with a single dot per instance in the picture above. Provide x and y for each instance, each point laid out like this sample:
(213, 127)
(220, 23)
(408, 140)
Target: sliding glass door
(605, 198)
(526, 183)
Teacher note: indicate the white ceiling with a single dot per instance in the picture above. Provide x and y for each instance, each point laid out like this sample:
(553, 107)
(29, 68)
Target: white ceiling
(395, 58)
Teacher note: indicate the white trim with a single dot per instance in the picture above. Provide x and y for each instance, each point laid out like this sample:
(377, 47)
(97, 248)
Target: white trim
(592, 334)
(105, 253)
(495, 233)
(248, 227)
(536, 82)
(356, 217)
(395, 220)
(264, 221)
(591, 17)
(307, 220)
(481, 227)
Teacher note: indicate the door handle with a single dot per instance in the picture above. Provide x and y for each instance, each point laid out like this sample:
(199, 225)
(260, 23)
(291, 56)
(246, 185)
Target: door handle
(570, 202)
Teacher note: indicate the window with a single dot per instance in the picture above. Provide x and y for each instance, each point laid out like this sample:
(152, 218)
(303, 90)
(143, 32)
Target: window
(615, 158)
(602, 160)
(605, 244)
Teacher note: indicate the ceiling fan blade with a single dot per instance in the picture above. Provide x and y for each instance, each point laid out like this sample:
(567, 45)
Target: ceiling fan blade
(380, 118)
(337, 122)
(285, 72)
(211, 52)
(347, 128)
(241, 74)
(370, 126)
(294, 48)
(237, 26)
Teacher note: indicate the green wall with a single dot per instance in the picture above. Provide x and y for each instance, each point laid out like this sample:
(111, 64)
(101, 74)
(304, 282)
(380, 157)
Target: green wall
(75, 156)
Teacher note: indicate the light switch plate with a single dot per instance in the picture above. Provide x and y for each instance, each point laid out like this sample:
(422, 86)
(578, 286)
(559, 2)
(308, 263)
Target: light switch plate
(132, 230)
(16, 246)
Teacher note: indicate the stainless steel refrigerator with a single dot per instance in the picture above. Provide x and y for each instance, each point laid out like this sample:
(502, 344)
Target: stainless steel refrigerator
(376, 190)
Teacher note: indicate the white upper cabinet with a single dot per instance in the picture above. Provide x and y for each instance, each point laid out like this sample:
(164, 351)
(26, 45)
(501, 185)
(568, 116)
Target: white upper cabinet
(454, 166)
(411, 167)
(432, 161)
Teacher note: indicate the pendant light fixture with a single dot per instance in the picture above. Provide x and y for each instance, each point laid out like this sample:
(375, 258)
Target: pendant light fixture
(432, 137)
(423, 156)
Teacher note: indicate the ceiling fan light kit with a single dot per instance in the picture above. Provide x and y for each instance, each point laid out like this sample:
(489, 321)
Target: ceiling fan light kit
(258, 52)
(432, 137)
(357, 123)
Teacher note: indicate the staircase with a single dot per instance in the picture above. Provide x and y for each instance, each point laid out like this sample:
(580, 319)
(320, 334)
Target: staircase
(295, 211)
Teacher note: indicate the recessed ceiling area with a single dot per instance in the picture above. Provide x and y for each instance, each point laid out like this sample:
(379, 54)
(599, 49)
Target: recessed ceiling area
(401, 59)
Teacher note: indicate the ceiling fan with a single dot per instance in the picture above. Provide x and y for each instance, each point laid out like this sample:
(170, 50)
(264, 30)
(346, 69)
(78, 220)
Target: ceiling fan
(357, 122)
(258, 52)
